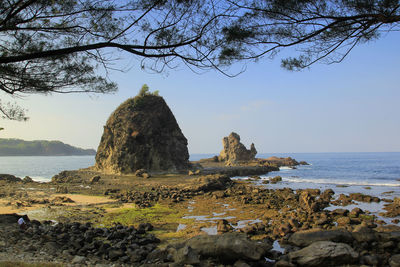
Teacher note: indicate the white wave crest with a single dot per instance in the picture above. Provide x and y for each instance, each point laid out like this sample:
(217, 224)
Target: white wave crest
(340, 182)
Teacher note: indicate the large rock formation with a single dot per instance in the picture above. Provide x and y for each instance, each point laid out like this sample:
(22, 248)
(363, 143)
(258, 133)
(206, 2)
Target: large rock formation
(142, 133)
(234, 151)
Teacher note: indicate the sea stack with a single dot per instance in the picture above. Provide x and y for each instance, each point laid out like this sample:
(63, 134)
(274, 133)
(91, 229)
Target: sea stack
(142, 133)
(235, 152)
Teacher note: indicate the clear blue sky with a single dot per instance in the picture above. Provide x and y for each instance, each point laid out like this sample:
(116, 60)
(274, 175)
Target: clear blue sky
(353, 106)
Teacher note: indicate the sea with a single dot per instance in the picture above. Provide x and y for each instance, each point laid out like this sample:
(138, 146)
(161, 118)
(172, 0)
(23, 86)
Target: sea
(370, 173)
(376, 174)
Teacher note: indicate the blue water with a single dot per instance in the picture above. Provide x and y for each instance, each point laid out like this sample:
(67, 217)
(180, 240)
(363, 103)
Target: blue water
(369, 173)
(351, 169)
(367, 169)
(42, 168)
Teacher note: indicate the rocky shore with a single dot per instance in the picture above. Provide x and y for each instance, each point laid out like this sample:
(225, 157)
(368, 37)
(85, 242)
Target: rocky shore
(168, 217)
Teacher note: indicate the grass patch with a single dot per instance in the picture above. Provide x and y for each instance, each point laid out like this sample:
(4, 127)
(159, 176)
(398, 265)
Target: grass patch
(366, 217)
(164, 218)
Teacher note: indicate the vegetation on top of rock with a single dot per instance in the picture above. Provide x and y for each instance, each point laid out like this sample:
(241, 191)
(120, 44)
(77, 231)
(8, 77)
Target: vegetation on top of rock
(18, 147)
(139, 99)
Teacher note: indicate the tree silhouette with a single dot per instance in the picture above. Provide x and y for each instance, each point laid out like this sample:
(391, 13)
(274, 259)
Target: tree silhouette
(61, 46)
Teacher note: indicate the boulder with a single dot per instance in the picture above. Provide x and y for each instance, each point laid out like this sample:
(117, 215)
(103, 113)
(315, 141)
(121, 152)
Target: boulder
(142, 133)
(343, 221)
(185, 255)
(142, 173)
(211, 183)
(235, 152)
(95, 179)
(78, 260)
(223, 226)
(275, 179)
(394, 261)
(27, 179)
(307, 202)
(324, 253)
(307, 237)
(228, 247)
(363, 234)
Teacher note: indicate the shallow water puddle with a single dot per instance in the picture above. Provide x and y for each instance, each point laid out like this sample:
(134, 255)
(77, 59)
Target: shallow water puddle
(180, 227)
(276, 246)
(373, 208)
(210, 230)
(243, 223)
(191, 208)
(207, 218)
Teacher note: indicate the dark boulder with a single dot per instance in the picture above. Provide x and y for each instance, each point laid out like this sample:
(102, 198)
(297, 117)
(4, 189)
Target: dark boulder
(324, 253)
(306, 238)
(228, 247)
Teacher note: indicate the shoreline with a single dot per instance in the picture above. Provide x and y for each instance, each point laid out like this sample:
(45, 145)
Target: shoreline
(181, 207)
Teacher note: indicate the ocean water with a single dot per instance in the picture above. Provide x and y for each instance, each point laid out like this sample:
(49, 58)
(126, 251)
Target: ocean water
(42, 168)
(376, 174)
(344, 172)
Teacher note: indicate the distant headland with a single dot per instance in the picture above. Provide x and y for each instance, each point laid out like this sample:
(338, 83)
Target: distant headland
(18, 147)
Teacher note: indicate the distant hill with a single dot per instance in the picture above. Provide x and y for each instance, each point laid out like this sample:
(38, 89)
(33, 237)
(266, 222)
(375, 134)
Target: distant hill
(18, 147)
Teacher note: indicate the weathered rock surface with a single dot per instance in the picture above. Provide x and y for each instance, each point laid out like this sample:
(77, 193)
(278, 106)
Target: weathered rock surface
(284, 161)
(142, 133)
(228, 247)
(324, 253)
(395, 261)
(234, 151)
(306, 238)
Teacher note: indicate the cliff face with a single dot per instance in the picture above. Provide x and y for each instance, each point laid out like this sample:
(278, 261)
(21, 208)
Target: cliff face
(235, 152)
(142, 133)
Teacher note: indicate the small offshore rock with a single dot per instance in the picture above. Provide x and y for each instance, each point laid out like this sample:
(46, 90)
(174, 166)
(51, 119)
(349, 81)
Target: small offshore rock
(27, 179)
(275, 179)
(234, 151)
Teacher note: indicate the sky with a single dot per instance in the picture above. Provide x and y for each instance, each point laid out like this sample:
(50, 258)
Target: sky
(353, 106)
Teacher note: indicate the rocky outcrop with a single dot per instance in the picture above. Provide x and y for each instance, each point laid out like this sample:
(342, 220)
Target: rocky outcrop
(142, 133)
(284, 161)
(234, 151)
